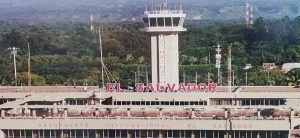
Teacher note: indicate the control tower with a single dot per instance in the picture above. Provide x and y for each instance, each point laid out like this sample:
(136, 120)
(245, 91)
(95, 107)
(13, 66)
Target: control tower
(164, 24)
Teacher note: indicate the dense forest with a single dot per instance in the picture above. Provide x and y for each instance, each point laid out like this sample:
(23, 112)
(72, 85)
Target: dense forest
(68, 54)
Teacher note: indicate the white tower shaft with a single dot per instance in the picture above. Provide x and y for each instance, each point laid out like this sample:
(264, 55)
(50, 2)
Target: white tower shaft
(165, 58)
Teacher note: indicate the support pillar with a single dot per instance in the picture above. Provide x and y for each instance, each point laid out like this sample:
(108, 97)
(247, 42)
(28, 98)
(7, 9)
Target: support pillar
(62, 134)
(97, 134)
(65, 112)
(128, 134)
(292, 113)
(33, 112)
(160, 134)
(258, 113)
(160, 112)
(128, 112)
(2, 113)
(2, 134)
(193, 135)
(34, 135)
(193, 113)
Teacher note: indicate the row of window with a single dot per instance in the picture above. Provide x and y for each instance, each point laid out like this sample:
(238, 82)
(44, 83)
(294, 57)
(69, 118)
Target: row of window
(179, 103)
(143, 134)
(161, 22)
(247, 102)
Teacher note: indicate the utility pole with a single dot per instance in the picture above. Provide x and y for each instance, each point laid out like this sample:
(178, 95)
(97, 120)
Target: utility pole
(29, 66)
(196, 79)
(233, 78)
(208, 77)
(14, 52)
(246, 78)
(209, 58)
(101, 55)
(184, 77)
(229, 69)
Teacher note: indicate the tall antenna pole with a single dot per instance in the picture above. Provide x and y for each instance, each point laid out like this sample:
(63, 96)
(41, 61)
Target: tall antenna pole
(101, 56)
(196, 79)
(14, 52)
(92, 23)
(229, 69)
(29, 66)
(218, 62)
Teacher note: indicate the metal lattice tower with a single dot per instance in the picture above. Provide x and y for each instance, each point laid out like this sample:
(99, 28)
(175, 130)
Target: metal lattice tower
(249, 13)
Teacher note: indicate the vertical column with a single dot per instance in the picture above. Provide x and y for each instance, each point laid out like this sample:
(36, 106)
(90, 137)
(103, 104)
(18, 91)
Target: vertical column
(128, 112)
(97, 134)
(226, 113)
(34, 135)
(193, 113)
(160, 112)
(33, 112)
(65, 112)
(62, 134)
(160, 135)
(2, 113)
(93, 102)
(258, 113)
(292, 113)
(193, 135)
(154, 59)
(128, 134)
(2, 134)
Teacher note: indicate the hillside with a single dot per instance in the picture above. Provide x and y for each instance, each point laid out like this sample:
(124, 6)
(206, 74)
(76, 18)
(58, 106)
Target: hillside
(57, 11)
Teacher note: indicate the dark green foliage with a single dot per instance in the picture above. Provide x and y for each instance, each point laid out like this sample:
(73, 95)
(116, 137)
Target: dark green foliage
(69, 54)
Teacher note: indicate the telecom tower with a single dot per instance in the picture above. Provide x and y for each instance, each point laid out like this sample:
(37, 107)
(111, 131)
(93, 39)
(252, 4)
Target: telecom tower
(164, 24)
(249, 14)
(92, 28)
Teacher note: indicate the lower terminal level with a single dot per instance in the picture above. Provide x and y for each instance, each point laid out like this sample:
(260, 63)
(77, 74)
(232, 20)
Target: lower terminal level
(80, 133)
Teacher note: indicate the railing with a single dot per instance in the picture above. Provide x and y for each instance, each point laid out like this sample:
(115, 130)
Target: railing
(164, 12)
(154, 118)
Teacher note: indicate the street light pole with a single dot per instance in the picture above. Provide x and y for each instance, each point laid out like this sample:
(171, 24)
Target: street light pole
(14, 52)
(246, 78)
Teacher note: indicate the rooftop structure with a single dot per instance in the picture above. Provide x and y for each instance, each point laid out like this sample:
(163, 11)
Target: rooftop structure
(286, 67)
(269, 66)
